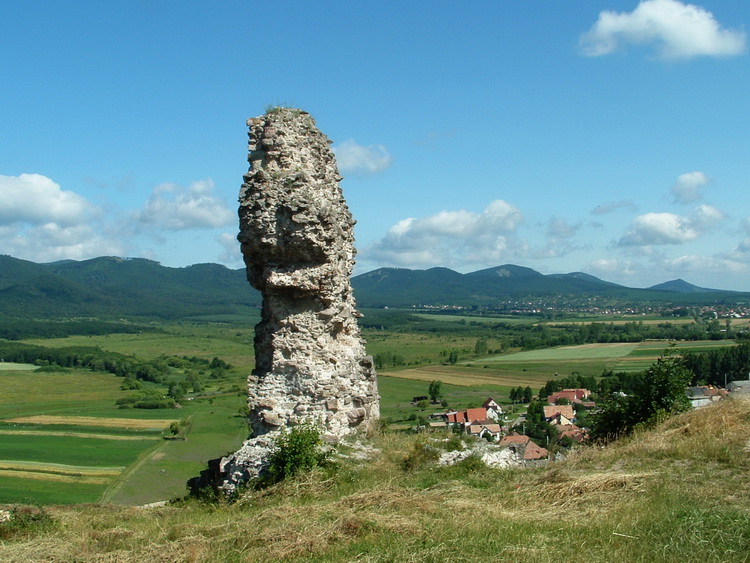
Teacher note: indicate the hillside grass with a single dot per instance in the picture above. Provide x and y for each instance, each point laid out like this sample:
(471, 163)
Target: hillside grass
(680, 492)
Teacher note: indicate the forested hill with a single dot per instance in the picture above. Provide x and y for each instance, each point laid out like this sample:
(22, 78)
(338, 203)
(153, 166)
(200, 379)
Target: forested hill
(110, 287)
(114, 287)
(508, 284)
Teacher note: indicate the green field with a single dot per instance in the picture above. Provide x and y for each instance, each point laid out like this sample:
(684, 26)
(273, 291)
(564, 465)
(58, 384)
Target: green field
(234, 344)
(65, 441)
(564, 353)
(469, 384)
(11, 366)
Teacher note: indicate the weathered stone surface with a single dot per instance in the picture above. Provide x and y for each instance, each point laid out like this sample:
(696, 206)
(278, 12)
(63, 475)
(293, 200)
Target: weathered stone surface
(296, 235)
(491, 456)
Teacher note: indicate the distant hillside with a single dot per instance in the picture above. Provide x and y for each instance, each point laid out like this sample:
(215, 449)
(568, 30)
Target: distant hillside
(396, 287)
(680, 286)
(115, 287)
(109, 287)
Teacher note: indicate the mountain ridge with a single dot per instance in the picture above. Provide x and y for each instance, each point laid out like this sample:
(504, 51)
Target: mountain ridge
(138, 287)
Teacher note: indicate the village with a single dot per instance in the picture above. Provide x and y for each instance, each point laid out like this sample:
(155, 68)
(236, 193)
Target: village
(561, 412)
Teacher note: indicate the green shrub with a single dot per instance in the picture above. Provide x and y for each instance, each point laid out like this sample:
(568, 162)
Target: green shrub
(454, 443)
(178, 430)
(148, 399)
(298, 449)
(420, 455)
(51, 368)
(25, 521)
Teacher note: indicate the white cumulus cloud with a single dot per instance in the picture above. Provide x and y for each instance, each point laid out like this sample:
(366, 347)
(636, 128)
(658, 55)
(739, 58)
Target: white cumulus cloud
(50, 242)
(611, 268)
(659, 228)
(691, 263)
(742, 251)
(706, 217)
(40, 221)
(35, 199)
(453, 238)
(687, 188)
(231, 255)
(559, 234)
(175, 208)
(353, 158)
(558, 228)
(676, 30)
(668, 228)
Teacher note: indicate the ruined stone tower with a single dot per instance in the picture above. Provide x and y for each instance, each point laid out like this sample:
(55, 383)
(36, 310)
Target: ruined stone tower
(298, 246)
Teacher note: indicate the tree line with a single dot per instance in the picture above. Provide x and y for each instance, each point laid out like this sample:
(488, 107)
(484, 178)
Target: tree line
(20, 329)
(96, 359)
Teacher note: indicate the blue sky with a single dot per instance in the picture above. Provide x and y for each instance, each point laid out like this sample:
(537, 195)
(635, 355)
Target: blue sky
(609, 137)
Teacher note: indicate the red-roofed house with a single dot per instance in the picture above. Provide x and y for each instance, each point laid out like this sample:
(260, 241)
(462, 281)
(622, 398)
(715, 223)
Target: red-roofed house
(457, 417)
(478, 421)
(572, 395)
(476, 414)
(524, 447)
(493, 409)
(559, 414)
(532, 452)
(484, 427)
(514, 439)
(573, 432)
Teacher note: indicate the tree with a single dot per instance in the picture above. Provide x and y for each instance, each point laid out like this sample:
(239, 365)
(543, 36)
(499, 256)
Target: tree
(527, 395)
(480, 348)
(435, 391)
(660, 393)
(453, 357)
(514, 395)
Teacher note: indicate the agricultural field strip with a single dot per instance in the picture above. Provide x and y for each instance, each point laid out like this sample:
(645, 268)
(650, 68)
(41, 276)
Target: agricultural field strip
(453, 377)
(615, 350)
(77, 435)
(126, 423)
(11, 366)
(59, 468)
(56, 477)
(582, 352)
(469, 319)
(633, 355)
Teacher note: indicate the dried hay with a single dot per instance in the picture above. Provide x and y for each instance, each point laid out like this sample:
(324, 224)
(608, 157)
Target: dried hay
(592, 484)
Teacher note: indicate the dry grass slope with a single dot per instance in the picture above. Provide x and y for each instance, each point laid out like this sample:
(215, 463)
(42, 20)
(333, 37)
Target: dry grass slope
(680, 492)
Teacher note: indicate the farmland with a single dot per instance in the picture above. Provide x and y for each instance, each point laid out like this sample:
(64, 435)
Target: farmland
(63, 440)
